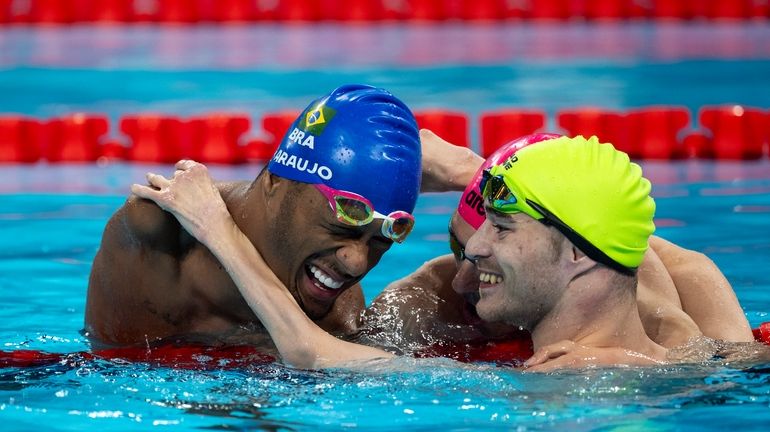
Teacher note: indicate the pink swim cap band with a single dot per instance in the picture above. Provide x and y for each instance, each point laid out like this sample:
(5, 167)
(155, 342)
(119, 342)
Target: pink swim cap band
(471, 207)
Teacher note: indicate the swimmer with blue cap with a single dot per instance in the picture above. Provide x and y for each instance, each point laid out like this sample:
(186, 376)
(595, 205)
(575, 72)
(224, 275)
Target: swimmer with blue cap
(339, 191)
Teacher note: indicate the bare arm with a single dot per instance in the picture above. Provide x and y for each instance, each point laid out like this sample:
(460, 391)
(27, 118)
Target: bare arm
(570, 355)
(445, 166)
(417, 305)
(191, 196)
(705, 293)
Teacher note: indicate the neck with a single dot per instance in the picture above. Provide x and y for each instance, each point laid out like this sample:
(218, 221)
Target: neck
(597, 314)
(246, 204)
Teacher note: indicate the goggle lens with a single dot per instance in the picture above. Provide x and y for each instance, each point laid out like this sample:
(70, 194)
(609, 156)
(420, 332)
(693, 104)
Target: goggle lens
(355, 210)
(500, 197)
(352, 211)
(397, 226)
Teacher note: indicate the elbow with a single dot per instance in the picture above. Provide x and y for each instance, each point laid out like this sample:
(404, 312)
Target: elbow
(301, 356)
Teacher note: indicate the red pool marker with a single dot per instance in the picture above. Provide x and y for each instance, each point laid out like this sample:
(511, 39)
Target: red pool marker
(509, 352)
(154, 137)
(229, 11)
(107, 11)
(609, 126)
(673, 9)
(697, 145)
(296, 11)
(258, 150)
(5, 11)
(276, 125)
(762, 333)
(449, 125)
(20, 139)
(607, 9)
(426, 10)
(500, 127)
(550, 9)
(728, 10)
(50, 11)
(737, 132)
(112, 150)
(654, 131)
(353, 11)
(194, 357)
(217, 138)
(75, 137)
(482, 10)
(178, 11)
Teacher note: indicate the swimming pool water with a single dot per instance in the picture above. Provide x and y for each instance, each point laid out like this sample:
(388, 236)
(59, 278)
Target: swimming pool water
(51, 229)
(51, 217)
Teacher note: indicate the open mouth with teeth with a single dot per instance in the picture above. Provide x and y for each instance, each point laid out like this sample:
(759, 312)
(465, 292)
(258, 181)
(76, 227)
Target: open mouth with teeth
(323, 280)
(489, 278)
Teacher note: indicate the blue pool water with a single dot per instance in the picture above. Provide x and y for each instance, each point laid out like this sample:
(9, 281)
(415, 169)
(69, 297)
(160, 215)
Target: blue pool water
(51, 227)
(51, 218)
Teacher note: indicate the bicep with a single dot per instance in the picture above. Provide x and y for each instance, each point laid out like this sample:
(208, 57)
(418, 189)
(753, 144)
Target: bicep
(705, 293)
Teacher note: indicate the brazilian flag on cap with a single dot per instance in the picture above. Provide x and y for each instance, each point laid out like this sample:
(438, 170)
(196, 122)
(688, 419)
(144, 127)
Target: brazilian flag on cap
(315, 119)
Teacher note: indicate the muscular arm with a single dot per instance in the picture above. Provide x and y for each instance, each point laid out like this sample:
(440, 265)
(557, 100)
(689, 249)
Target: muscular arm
(415, 306)
(138, 254)
(705, 293)
(193, 199)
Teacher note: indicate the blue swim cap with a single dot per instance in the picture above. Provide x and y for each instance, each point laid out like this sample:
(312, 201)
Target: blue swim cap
(359, 139)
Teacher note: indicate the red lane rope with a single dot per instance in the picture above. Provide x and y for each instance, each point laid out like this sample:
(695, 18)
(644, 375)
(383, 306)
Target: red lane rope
(507, 352)
(724, 132)
(183, 357)
(357, 11)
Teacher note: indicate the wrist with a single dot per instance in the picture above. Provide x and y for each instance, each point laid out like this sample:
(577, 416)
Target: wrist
(218, 230)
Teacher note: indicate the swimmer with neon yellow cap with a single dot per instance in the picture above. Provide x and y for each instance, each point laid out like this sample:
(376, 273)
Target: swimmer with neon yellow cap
(337, 194)
(568, 224)
(434, 309)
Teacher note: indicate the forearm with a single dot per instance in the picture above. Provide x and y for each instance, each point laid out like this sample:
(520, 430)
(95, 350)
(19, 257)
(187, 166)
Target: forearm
(299, 340)
(445, 166)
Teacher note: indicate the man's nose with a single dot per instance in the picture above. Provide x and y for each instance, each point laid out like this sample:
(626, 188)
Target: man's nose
(354, 257)
(466, 279)
(478, 245)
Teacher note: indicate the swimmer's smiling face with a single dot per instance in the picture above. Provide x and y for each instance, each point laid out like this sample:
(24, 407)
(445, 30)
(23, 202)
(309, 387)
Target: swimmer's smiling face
(320, 257)
(466, 280)
(518, 262)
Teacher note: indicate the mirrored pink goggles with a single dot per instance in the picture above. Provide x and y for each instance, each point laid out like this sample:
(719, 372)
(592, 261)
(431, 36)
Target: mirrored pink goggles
(353, 209)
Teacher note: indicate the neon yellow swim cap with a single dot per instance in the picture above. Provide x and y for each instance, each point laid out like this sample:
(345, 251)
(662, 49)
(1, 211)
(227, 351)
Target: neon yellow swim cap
(591, 187)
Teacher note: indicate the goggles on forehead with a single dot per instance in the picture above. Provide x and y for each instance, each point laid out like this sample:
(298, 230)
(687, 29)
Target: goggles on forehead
(353, 209)
(505, 198)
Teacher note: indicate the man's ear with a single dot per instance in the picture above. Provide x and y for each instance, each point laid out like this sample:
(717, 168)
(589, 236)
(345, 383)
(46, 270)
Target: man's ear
(272, 183)
(577, 262)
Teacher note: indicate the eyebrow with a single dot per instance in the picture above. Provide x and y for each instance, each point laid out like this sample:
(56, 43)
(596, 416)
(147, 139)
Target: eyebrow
(498, 213)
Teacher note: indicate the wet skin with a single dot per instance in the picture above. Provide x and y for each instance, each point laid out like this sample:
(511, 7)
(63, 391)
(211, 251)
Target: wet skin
(151, 281)
(518, 269)
(445, 291)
